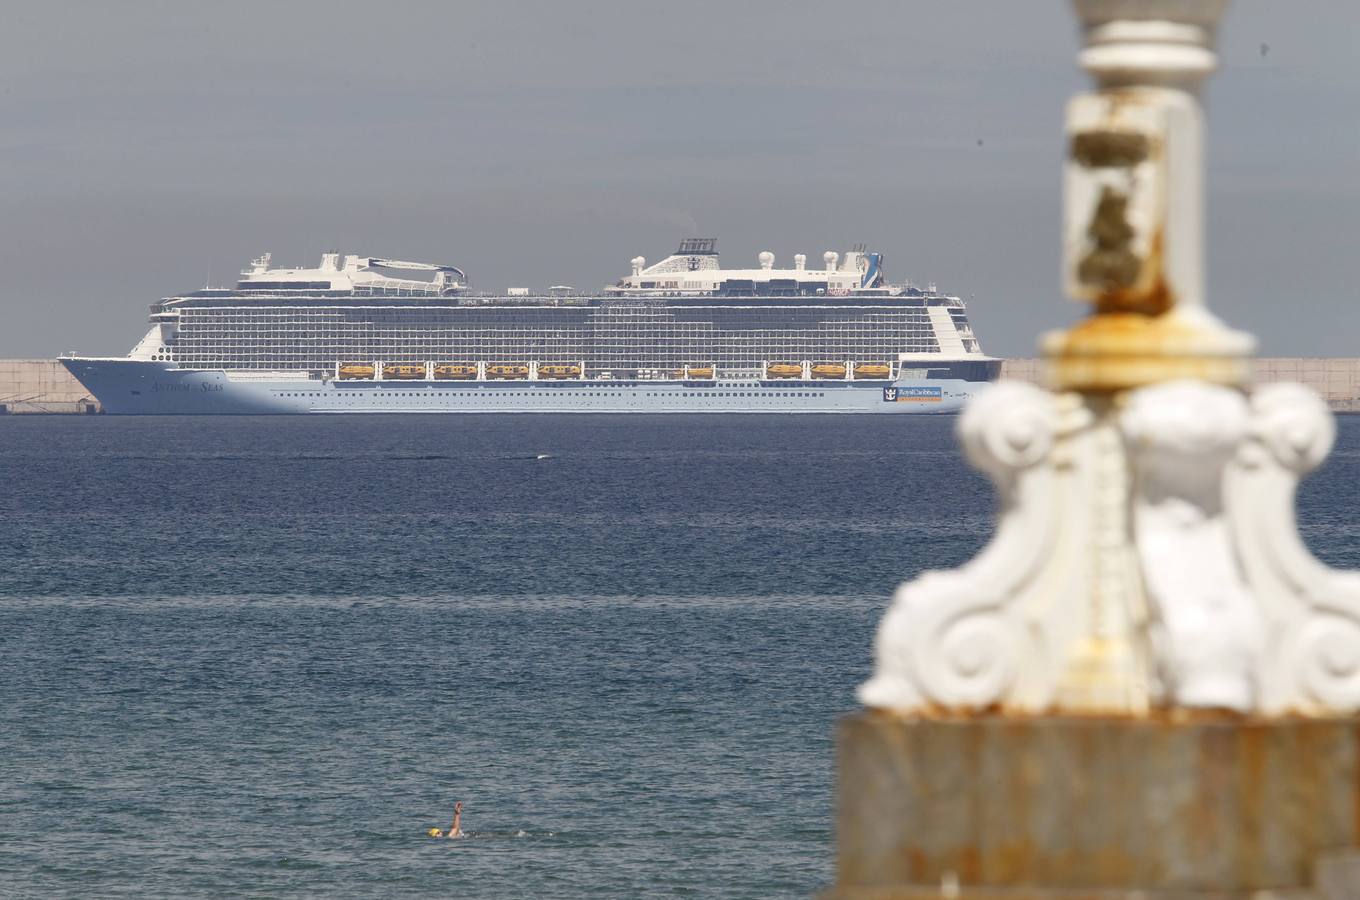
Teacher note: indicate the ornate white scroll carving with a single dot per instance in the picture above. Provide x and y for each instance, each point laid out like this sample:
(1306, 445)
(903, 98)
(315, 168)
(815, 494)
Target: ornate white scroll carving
(1205, 628)
(1311, 664)
(958, 639)
(1180, 583)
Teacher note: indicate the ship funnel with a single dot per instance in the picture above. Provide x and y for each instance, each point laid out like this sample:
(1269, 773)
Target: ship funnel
(638, 263)
(800, 261)
(766, 259)
(831, 257)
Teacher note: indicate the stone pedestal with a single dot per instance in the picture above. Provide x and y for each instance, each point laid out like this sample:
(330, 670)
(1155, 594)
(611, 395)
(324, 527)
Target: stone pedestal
(1097, 808)
(1145, 686)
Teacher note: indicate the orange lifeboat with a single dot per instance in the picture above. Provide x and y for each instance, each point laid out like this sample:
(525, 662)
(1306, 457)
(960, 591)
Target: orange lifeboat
(784, 370)
(404, 371)
(356, 370)
(828, 370)
(507, 372)
(872, 370)
(454, 371)
(559, 371)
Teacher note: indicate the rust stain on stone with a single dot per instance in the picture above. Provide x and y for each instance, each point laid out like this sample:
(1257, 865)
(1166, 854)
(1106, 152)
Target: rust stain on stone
(1251, 802)
(1111, 264)
(1309, 792)
(1012, 860)
(1109, 148)
(1355, 791)
(1133, 340)
(1101, 804)
(1118, 350)
(1129, 340)
(918, 864)
(970, 864)
(1154, 300)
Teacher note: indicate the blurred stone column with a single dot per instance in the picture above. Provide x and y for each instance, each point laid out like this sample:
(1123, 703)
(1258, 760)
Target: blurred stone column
(1144, 686)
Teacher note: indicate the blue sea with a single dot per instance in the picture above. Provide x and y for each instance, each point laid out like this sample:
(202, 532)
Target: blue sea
(261, 657)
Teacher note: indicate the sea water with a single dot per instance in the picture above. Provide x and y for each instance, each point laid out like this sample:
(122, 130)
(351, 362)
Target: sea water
(262, 656)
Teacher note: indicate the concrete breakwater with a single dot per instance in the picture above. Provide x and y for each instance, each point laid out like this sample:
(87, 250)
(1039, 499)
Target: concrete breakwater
(44, 385)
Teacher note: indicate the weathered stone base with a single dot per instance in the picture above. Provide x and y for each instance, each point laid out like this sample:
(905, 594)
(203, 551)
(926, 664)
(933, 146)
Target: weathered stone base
(1074, 894)
(1095, 809)
(1063, 894)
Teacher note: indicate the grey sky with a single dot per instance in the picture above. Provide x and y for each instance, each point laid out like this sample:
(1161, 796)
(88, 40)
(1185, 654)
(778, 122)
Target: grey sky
(147, 147)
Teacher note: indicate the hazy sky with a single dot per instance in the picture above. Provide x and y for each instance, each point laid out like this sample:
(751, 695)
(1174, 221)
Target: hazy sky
(147, 148)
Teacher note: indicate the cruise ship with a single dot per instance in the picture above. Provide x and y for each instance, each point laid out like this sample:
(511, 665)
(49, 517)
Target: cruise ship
(363, 334)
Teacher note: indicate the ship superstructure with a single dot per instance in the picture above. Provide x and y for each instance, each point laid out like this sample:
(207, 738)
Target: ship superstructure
(365, 324)
(694, 269)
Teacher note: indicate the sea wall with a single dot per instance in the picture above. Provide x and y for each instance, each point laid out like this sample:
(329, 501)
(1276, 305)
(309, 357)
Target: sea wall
(1336, 379)
(41, 386)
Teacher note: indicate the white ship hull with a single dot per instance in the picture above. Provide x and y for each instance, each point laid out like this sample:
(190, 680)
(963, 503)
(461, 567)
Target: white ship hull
(138, 387)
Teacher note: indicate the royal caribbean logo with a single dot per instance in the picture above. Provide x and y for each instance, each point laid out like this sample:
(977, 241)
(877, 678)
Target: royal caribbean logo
(913, 394)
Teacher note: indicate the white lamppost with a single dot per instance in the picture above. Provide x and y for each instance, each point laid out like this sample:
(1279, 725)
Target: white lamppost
(1146, 556)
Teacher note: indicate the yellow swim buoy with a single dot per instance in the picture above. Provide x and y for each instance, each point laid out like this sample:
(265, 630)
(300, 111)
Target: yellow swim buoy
(435, 832)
